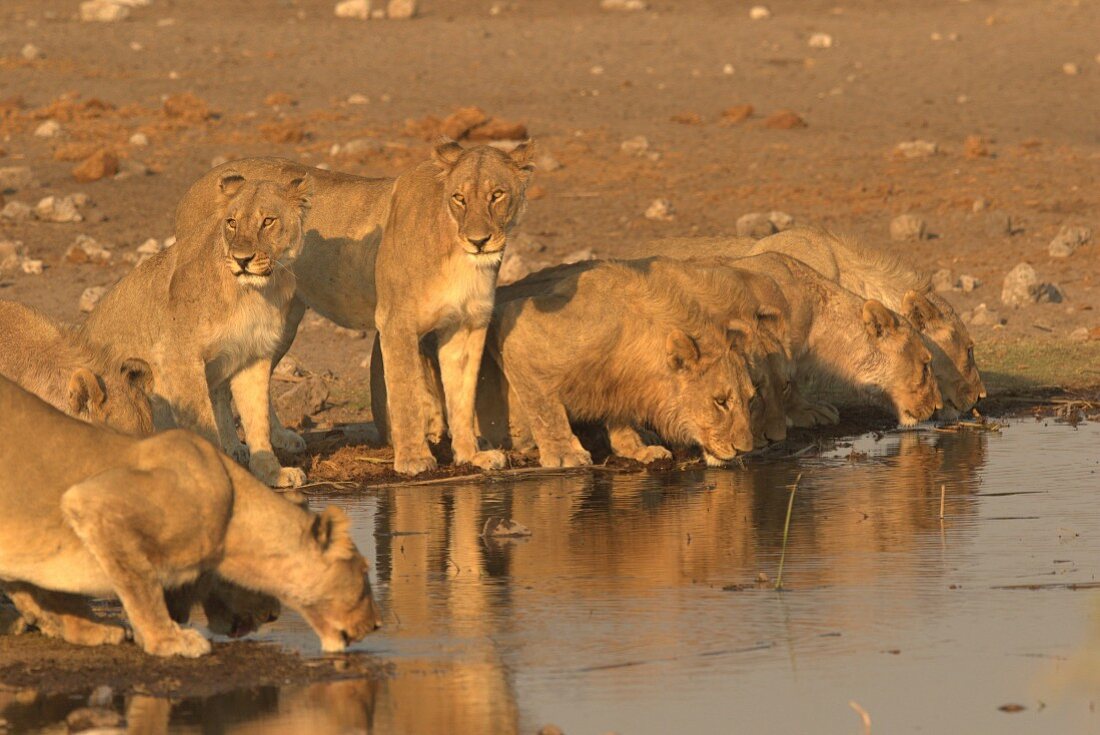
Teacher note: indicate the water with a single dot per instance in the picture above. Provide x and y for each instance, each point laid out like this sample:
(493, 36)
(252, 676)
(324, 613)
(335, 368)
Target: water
(613, 615)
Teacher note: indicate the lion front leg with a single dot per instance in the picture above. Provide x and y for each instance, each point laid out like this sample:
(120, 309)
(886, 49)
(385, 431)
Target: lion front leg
(115, 515)
(231, 444)
(459, 362)
(405, 391)
(251, 392)
(64, 616)
(625, 442)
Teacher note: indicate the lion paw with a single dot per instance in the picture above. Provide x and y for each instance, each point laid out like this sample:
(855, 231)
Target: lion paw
(184, 642)
(267, 470)
(570, 458)
(650, 453)
(414, 465)
(489, 459)
(287, 441)
(239, 452)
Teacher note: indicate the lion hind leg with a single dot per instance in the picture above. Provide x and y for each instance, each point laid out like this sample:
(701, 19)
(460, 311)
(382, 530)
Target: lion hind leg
(459, 362)
(110, 513)
(64, 616)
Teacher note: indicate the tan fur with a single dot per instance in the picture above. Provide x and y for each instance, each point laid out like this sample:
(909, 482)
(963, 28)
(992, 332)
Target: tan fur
(90, 512)
(872, 274)
(72, 373)
(212, 312)
(410, 256)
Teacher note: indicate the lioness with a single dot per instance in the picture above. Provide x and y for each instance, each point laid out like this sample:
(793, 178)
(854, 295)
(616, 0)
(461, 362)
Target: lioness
(208, 314)
(606, 344)
(73, 374)
(411, 256)
(88, 511)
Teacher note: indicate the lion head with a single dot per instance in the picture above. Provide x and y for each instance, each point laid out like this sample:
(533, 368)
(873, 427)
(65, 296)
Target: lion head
(485, 192)
(332, 590)
(261, 226)
(952, 349)
(116, 397)
(900, 365)
(710, 404)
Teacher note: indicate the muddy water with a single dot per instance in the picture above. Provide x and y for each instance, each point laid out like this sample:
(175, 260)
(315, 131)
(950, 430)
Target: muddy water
(634, 606)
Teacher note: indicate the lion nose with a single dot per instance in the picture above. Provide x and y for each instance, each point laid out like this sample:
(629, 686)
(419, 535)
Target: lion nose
(243, 262)
(478, 242)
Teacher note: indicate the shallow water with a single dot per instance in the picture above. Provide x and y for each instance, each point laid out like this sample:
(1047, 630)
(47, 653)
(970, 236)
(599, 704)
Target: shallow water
(613, 615)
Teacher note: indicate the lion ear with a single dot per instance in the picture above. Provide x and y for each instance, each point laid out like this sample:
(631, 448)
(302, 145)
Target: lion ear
(878, 320)
(300, 191)
(918, 310)
(85, 391)
(230, 183)
(446, 154)
(330, 532)
(138, 374)
(523, 155)
(682, 351)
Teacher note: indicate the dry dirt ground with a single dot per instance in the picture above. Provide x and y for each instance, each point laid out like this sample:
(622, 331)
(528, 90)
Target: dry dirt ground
(202, 80)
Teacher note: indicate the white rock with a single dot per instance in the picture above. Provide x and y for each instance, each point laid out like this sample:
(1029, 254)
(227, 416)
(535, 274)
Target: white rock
(358, 9)
(81, 199)
(15, 177)
(57, 209)
(1069, 238)
(821, 40)
(1081, 334)
(86, 249)
(660, 210)
(139, 140)
(1020, 286)
(359, 146)
(150, 247)
(916, 149)
(635, 146)
(781, 220)
(170, 242)
(401, 9)
(16, 212)
(968, 283)
(30, 52)
(12, 253)
(103, 11)
(47, 129)
(91, 297)
(31, 267)
(578, 256)
(983, 317)
(755, 225)
(358, 99)
(759, 12)
(942, 280)
(1070, 69)
(907, 227)
(623, 4)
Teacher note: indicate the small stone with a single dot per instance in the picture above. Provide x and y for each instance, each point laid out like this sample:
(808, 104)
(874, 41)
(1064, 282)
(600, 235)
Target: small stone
(15, 177)
(660, 210)
(1020, 287)
(755, 225)
(916, 149)
(303, 400)
(784, 120)
(86, 250)
(687, 118)
(629, 5)
(1048, 293)
(357, 9)
(759, 12)
(16, 212)
(12, 253)
(497, 129)
(983, 317)
(99, 165)
(91, 297)
(289, 367)
(170, 241)
(635, 146)
(1068, 239)
(942, 280)
(139, 140)
(57, 209)
(820, 40)
(968, 283)
(1070, 69)
(150, 247)
(975, 147)
(187, 107)
(907, 227)
(103, 11)
(361, 146)
(578, 256)
(456, 125)
(401, 9)
(358, 99)
(1081, 334)
(31, 267)
(129, 167)
(980, 204)
(30, 52)
(736, 114)
(781, 220)
(101, 696)
(728, 69)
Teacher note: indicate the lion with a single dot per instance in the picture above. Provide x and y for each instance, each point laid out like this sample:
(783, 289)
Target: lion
(88, 511)
(873, 275)
(411, 257)
(73, 374)
(212, 311)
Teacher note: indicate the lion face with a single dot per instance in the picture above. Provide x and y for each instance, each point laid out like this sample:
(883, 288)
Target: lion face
(485, 192)
(261, 226)
(712, 396)
(118, 398)
(903, 365)
(770, 370)
(951, 347)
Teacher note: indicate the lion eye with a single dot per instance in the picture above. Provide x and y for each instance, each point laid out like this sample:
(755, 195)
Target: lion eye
(231, 223)
(459, 199)
(268, 221)
(496, 195)
(722, 402)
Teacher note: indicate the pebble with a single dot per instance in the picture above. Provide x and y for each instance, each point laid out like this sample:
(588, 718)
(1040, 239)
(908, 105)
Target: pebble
(101, 696)
(1070, 69)
(623, 5)
(1022, 288)
(578, 256)
(635, 146)
(983, 317)
(100, 165)
(759, 12)
(47, 129)
(16, 212)
(660, 210)
(139, 140)
(91, 297)
(907, 227)
(357, 9)
(781, 220)
(784, 120)
(57, 209)
(755, 225)
(150, 247)
(1081, 334)
(103, 11)
(1068, 239)
(975, 146)
(12, 253)
(358, 99)
(942, 280)
(820, 40)
(86, 249)
(916, 149)
(980, 204)
(31, 267)
(736, 114)
(15, 177)
(967, 284)
(129, 167)
(31, 52)
(401, 9)
(359, 146)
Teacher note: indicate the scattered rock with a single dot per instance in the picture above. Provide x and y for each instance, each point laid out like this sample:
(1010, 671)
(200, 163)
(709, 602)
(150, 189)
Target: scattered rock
(303, 400)
(187, 107)
(820, 40)
(290, 367)
(755, 225)
(736, 114)
(279, 99)
(85, 249)
(980, 204)
(784, 120)
(1068, 239)
(16, 212)
(1070, 69)
(636, 146)
(983, 317)
(15, 177)
(916, 149)
(357, 9)
(1022, 288)
(47, 129)
(975, 147)
(101, 696)
(401, 9)
(92, 718)
(358, 99)
(100, 165)
(57, 209)
(660, 210)
(496, 527)
(942, 280)
(456, 125)
(130, 167)
(360, 147)
(1081, 334)
(30, 52)
(967, 284)
(687, 118)
(12, 253)
(781, 220)
(286, 131)
(31, 267)
(759, 12)
(623, 5)
(103, 11)
(91, 297)
(139, 140)
(907, 227)
(497, 129)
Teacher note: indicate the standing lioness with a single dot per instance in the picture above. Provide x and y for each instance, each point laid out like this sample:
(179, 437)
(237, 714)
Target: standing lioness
(208, 313)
